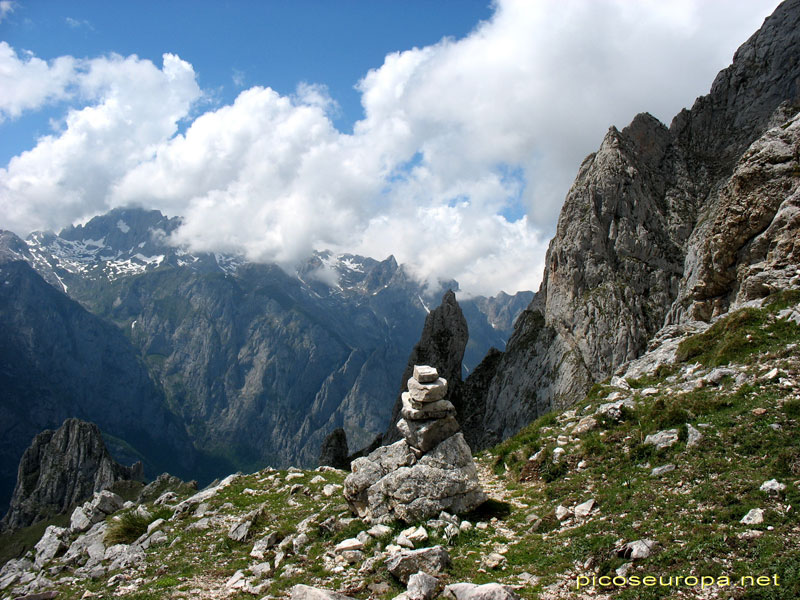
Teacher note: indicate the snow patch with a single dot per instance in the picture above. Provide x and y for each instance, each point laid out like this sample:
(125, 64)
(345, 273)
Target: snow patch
(425, 306)
(123, 226)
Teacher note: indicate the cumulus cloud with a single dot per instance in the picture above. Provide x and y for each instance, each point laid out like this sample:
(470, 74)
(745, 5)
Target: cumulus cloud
(454, 136)
(133, 106)
(27, 82)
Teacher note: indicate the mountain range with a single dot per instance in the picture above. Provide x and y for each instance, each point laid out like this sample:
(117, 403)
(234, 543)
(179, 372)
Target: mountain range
(201, 363)
(641, 422)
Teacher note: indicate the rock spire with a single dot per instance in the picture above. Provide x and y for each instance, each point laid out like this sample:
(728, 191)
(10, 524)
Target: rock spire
(60, 469)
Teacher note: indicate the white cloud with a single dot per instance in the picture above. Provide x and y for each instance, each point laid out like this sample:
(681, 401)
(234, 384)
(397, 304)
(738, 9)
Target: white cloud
(68, 175)
(6, 8)
(453, 136)
(78, 23)
(28, 83)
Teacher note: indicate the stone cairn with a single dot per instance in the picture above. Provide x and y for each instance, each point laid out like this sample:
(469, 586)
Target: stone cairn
(430, 470)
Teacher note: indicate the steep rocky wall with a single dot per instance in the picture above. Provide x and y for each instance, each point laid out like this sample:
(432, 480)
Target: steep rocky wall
(61, 361)
(660, 225)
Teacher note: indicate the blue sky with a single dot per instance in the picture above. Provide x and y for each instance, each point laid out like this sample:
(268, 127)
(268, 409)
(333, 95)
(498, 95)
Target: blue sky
(444, 132)
(236, 44)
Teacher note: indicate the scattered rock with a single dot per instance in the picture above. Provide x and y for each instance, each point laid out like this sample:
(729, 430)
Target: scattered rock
(583, 510)
(433, 561)
(378, 531)
(472, 591)
(693, 437)
(659, 471)
(562, 512)
(349, 544)
(494, 561)
(331, 489)
(240, 530)
(614, 409)
(422, 586)
(166, 498)
(662, 439)
(265, 543)
(306, 592)
(50, 544)
(755, 516)
(585, 425)
(637, 549)
(773, 486)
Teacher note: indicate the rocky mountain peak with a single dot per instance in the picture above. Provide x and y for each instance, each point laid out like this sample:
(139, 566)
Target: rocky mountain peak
(661, 226)
(60, 469)
(123, 228)
(763, 74)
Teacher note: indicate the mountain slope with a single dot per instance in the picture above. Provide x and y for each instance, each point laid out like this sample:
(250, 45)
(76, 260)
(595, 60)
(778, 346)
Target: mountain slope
(661, 226)
(259, 365)
(583, 504)
(60, 361)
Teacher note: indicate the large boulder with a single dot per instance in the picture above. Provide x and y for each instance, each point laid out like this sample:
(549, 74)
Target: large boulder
(392, 483)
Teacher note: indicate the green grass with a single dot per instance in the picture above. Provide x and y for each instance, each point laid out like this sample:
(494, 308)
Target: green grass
(739, 337)
(127, 527)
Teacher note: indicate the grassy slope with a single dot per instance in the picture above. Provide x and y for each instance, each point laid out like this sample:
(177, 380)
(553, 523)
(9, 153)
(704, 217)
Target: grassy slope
(693, 512)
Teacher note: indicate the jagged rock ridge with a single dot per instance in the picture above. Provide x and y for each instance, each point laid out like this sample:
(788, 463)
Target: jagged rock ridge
(661, 226)
(60, 469)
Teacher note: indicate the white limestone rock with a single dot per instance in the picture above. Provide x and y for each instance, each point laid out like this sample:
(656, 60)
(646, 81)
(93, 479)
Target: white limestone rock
(662, 439)
(425, 373)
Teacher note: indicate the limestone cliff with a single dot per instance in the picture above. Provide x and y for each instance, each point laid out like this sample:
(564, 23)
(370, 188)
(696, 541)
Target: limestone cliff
(60, 469)
(661, 225)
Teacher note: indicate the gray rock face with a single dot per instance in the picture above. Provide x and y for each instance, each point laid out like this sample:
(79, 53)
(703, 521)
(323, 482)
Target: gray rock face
(661, 226)
(62, 361)
(64, 467)
(50, 544)
(391, 483)
(259, 364)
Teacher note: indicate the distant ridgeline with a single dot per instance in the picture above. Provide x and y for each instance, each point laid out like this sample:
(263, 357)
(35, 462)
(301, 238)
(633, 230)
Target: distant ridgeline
(204, 364)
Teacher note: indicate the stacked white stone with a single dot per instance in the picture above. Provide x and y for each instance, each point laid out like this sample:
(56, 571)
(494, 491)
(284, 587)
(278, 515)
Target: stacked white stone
(427, 417)
(428, 471)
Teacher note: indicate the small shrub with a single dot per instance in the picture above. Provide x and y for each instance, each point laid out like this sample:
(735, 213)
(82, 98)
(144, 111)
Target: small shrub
(641, 453)
(551, 471)
(126, 528)
(787, 462)
(792, 408)
(593, 445)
